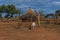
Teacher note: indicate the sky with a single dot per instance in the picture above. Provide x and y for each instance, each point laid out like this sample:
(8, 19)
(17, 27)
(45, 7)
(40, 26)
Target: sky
(48, 6)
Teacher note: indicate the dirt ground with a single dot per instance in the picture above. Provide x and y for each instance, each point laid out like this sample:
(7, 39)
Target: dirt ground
(44, 32)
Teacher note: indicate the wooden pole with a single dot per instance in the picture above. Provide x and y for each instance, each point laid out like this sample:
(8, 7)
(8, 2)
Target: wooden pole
(38, 20)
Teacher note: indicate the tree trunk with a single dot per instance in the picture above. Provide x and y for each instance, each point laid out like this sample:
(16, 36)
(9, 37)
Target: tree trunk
(8, 15)
(19, 20)
(0, 16)
(12, 15)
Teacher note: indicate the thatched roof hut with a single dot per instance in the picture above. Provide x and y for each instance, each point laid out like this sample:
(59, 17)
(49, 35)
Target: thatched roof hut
(29, 15)
(30, 11)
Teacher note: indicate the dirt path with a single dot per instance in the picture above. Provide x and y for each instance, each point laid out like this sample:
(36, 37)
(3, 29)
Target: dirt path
(41, 33)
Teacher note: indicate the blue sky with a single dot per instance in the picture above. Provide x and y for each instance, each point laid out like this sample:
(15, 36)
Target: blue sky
(48, 6)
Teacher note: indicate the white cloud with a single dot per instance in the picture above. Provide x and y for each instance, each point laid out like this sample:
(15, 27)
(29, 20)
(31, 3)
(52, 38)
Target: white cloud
(23, 6)
(56, 3)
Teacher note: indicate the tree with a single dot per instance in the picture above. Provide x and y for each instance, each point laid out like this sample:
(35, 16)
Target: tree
(10, 9)
(13, 12)
(57, 13)
(0, 12)
(2, 8)
(48, 15)
(41, 13)
(18, 12)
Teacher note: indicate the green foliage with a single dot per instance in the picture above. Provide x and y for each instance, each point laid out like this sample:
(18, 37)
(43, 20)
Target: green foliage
(57, 13)
(48, 15)
(10, 9)
(2, 8)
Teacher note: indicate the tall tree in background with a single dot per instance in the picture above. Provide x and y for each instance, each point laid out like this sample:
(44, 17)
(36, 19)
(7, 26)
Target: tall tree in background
(18, 12)
(13, 11)
(0, 13)
(50, 15)
(41, 13)
(57, 13)
(10, 10)
(2, 9)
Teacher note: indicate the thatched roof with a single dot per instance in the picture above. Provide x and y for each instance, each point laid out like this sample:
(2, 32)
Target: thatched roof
(30, 11)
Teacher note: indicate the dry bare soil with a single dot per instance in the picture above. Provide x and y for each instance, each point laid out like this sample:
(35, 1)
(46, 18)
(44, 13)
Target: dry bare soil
(44, 32)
